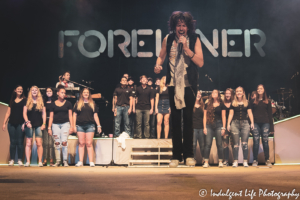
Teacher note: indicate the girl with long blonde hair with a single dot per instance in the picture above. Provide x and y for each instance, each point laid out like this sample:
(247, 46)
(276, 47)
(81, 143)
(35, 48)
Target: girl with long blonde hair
(162, 107)
(34, 114)
(239, 112)
(85, 116)
(214, 122)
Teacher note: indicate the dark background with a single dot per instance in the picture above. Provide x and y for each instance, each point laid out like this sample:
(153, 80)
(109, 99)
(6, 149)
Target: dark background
(29, 43)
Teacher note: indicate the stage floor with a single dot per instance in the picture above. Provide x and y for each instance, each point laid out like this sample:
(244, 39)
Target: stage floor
(143, 183)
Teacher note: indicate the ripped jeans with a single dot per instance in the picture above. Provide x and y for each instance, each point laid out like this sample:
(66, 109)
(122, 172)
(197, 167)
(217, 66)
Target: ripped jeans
(240, 128)
(261, 129)
(60, 137)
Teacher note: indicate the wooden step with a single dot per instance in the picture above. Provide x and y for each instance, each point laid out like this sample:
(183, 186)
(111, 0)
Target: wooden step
(151, 153)
(150, 146)
(147, 161)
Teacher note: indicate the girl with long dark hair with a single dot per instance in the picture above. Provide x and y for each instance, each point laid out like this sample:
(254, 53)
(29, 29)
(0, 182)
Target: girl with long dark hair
(14, 116)
(199, 136)
(263, 118)
(214, 122)
(229, 94)
(85, 115)
(34, 114)
(48, 148)
(60, 122)
(239, 112)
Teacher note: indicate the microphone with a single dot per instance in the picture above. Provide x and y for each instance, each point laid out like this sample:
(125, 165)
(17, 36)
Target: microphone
(180, 45)
(180, 48)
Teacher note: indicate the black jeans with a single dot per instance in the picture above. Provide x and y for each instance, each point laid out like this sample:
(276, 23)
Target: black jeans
(185, 146)
(48, 146)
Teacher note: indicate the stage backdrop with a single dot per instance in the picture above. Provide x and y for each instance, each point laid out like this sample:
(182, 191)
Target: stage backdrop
(244, 43)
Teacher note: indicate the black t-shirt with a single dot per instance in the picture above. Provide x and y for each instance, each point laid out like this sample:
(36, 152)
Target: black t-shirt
(227, 111)
(35, 116)
(144, 96)
(198, 118)
(262, 113)
(164, 94)
(217, 111)
(48, 108)
(86, 115)
(61, 114)
(16, 112)
(240, 112)
(123, 95)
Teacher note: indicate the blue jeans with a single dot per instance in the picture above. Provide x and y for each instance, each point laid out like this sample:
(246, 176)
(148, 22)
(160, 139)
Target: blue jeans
(122, 111)
(240, 128)
(37, 131)
(200, 137)
(60, 136)
(261, 129)
(16, 137)
(214, 130)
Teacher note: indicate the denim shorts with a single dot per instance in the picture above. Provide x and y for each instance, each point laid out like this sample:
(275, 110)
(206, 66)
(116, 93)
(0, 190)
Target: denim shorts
(86, 128)
(163, 106)
(37, 131)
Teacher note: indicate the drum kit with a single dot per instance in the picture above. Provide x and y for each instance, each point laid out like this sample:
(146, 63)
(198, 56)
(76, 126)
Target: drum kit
(284, 95)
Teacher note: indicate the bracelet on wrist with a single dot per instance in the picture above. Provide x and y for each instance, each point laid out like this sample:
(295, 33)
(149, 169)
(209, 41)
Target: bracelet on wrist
(193, 55)
(99, 126)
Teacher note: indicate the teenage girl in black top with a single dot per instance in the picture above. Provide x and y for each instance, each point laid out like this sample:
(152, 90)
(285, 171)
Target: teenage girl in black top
(35, 120)
(48, 147)
(263, 118)
(162, 107)
(227, 103)
(85, 116)
(15, 115)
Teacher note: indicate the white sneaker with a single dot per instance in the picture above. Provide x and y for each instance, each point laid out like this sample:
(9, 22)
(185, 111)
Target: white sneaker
(66, 163)
(173, 163)
(255, 163)
(27, 164)
(190, 162)
(92, 164)
(205, 165)
(57, 164)
(40, 164)
(235, 164)
(79, 164)
(20, 163)
(220, 164)
(268, 163)
(11, 163)
(245, 163)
